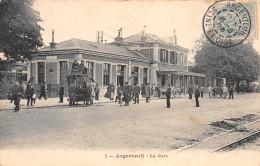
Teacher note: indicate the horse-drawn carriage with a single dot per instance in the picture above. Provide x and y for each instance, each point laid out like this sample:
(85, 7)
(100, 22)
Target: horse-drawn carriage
(80, 87)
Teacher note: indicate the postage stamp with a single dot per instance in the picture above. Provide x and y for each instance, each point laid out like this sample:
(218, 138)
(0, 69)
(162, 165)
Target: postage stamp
(228, 23)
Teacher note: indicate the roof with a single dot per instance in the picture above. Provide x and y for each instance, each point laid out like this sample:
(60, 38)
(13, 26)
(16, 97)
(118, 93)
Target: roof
(181, 73)
(150, 38)
(93, 46)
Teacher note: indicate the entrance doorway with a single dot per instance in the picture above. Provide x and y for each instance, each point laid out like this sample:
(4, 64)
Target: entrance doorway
(120, 80)
(120, 75)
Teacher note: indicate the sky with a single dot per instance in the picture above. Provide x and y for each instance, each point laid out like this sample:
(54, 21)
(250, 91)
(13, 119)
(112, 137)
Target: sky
(82, 19)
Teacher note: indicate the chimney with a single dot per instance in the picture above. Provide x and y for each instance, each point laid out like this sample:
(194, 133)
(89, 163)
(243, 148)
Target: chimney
(174, 39)
(143, 37)
(119, 38)
(53, 44)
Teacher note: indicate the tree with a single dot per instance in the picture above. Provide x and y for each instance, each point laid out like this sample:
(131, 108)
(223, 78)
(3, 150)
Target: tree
(240, 62)
(20, 35)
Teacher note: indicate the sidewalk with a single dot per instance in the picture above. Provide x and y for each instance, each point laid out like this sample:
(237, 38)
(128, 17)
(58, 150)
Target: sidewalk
(50, 102)
(54, 102)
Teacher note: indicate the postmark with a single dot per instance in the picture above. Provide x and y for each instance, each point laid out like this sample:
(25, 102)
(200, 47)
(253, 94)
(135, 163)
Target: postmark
(227, 23)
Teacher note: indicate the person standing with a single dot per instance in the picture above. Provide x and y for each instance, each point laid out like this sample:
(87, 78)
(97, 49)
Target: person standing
(197, 95)
(82, 64)
(17, 92)
(96, 92)
(126, 94)
(92, 93)
(152, 92)
(117, 92)
(159, 91)
(75, 65)
(168, 96)
(147, 93)
(108, 93)
(221, 91)
(136, 94)
(120, 94)
(112, 91)
(179, 92)
(214, 91)
(190, 91)
(33, 96)
(61, 93)
(210, 91)
(201, 91)
(231, 90)
(28, 92)
(225, 90)
(143, 90)
(43, 91)
(174, 92)
(10, 95)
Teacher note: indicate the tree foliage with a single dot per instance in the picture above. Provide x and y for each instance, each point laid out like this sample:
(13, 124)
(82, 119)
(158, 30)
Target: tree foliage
(20, 35)
(235, 63)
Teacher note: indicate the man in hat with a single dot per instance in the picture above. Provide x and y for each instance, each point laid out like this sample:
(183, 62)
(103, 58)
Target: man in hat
(168, 96)
(137, 90)
(112, 91)
(231, 90)
(126, 93)
(197, 95)
(75, 65)
(82, 64)
(28, 92)
(17, 92)
(43, 91)
(96, 92)
(190, 91)
(61, 93)
(147, 92)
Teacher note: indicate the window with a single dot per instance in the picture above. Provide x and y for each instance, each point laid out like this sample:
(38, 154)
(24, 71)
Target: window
(166, 59)
(163, 79)
(175, 57)
(172, 57)
(145, 76)
(10, 77)
(120, 68)
(63, 71)
(172, 78)
(24, 77)
(135, 74)
(106, 72)
(63, 64)
(161, 55)
(41, 72)
(90, 66)
(181, 58)
(164, 56)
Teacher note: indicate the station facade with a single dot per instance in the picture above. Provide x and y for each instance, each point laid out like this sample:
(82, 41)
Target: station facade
(138, 59)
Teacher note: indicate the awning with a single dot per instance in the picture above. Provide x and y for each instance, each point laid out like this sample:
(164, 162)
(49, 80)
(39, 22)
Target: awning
(180, 73)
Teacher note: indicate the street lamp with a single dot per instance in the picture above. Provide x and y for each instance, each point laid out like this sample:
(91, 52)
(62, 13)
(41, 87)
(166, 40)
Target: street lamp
(51, 72)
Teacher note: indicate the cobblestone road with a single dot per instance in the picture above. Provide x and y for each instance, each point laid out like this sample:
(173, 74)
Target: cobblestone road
(107, 126)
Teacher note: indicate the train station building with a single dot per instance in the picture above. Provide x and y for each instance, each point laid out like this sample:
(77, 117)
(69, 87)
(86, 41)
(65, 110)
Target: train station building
(138, 59)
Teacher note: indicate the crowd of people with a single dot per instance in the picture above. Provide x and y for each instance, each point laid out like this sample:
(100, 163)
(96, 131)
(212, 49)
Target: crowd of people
(120, 94)
(129, 93)
(222, 91)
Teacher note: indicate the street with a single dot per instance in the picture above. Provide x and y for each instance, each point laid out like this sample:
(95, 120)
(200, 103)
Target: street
(137, 127)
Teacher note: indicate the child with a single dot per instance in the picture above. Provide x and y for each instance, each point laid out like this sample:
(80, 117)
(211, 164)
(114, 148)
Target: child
(33, 96)
(174, 92)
